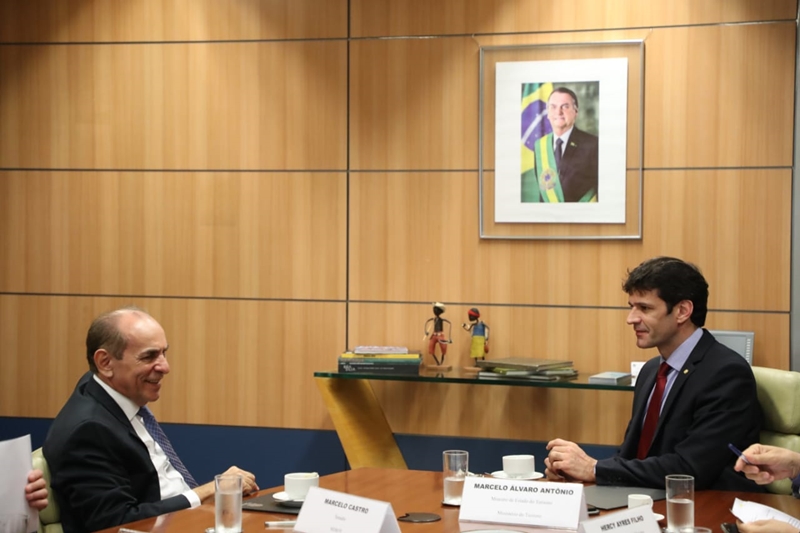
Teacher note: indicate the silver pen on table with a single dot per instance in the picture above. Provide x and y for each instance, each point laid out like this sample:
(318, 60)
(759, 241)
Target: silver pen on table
(282, 523)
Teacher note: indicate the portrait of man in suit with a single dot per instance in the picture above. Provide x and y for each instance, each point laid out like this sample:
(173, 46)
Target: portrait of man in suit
(565, 157)
(560, 142)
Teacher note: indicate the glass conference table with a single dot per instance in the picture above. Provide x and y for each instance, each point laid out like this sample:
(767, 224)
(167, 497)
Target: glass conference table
(421, 492)
(365, 434)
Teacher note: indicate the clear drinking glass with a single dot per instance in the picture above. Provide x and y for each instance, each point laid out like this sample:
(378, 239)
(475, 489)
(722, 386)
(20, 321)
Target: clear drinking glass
(228, 503)
(680, 502)
(456, 465)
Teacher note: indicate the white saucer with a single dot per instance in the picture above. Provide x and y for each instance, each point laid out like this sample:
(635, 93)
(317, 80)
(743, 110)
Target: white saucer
(283, 497)
(502, 475)
(659, 517)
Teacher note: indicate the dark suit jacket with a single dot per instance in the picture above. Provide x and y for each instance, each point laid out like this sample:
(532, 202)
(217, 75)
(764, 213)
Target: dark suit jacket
(712, 402)
(101, 472)
(578, 169)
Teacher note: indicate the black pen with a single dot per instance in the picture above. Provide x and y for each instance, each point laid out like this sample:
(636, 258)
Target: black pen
(735, 450)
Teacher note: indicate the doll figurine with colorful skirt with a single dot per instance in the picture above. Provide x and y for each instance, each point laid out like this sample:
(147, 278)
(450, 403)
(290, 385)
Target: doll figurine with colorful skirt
(480, 334)
(436, 336)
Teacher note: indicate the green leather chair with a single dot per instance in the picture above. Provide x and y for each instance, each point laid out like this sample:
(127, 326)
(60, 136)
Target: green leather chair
(779, 396)
(50, 517)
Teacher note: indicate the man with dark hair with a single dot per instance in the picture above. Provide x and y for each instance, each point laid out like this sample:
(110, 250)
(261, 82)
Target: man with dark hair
(690, 401)
(110, 462)
(567, 159)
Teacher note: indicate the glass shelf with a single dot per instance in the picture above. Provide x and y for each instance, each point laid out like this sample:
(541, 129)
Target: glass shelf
(459, 375)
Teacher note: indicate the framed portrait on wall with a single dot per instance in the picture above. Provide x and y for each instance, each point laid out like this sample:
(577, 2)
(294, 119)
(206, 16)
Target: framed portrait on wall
(560, 134)
(561, 131)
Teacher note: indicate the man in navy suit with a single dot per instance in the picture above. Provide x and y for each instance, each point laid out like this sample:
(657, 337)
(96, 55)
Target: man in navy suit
(571, 152)
(106, 466)
(690, 401)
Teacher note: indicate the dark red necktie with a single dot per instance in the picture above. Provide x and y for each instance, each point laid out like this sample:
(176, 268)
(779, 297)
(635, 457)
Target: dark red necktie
(653, 412)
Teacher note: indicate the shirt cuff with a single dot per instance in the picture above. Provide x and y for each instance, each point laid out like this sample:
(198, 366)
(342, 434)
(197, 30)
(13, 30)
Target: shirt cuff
(194, 499)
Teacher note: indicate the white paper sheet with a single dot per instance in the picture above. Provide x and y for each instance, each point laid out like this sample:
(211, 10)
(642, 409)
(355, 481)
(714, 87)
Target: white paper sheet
(15, 464)
(751, 511)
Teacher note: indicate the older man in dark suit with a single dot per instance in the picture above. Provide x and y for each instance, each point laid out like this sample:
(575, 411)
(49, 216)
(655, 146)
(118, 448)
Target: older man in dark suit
(110, 462)
(690, 401)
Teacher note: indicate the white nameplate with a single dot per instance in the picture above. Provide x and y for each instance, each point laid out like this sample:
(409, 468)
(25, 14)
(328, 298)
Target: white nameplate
(637, 520)
(525, 503)
(328, 511)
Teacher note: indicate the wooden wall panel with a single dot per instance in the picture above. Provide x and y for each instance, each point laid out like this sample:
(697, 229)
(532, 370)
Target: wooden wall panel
(595, 339)
(413, 104)
(247, 363)
(245, 235)
(420, 17)
(170, 20)
(252, 106)
(718, 96)
(696, 215)
(738, 233)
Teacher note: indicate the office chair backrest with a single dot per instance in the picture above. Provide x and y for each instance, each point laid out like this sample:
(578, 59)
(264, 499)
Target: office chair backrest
(50, 516)
(779, 396)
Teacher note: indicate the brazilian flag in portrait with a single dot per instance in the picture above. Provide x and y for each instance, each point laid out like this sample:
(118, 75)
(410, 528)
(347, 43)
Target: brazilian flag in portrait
(539, 173)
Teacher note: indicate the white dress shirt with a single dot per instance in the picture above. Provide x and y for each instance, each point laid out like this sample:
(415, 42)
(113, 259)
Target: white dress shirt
(170, 480)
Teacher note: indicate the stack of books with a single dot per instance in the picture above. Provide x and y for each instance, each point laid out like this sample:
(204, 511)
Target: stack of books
(394, 360)
(611, 378)
(526, 368)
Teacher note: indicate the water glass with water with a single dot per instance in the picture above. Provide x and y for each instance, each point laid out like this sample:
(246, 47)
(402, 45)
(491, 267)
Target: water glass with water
(228, 503)
(680, 502)
(456, 465)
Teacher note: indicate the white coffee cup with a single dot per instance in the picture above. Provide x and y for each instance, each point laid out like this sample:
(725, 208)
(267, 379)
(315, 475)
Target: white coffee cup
(519, 466)
(638, 500)
(297, 484)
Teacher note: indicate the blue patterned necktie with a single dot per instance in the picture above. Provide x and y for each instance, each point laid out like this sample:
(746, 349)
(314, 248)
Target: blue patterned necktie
(160, 437)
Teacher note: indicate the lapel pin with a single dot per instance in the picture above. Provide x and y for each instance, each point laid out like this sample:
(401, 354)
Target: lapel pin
(685, 370)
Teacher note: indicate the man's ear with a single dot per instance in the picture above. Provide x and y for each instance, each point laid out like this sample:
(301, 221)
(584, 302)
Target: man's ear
(683, 311)
(103, 362)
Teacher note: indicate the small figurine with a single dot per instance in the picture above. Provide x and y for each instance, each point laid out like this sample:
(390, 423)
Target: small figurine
(437, 335)
(480, 334)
